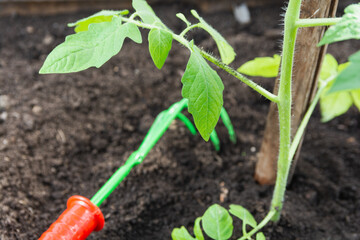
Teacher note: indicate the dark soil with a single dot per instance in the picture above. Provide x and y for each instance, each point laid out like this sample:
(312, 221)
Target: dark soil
(62, 135)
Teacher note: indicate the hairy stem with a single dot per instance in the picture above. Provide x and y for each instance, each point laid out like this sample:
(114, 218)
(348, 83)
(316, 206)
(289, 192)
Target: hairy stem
(241, 77)
(284, 106)
(182, 34)
(315, 22)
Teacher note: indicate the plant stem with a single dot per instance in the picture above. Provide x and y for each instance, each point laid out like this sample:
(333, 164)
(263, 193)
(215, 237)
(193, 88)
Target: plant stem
(284, 106)
(133, 16)
(241, 77)
(315, 22)
(305, 121)
(267, 219)
(182, 34)
(212, 59)
(244, 232)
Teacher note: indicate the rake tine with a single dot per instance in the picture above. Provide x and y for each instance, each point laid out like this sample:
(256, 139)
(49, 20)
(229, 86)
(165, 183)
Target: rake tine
(227, 122)
(187, 123)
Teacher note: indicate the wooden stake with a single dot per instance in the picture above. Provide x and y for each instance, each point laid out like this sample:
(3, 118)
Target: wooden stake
(308, 59)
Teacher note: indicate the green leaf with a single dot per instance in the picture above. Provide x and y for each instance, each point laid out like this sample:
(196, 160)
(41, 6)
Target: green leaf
(334, 104)
(356, 97)
(102, 16)
(203, 88)
(260, 236)
(197, 229)
(146, 13)
(261, 67)
(217, 223)
(343, 66)
(181, 234)
(227, 53)
(349, 78)
(347, 28)
(183, 18)
(91, 48)
(159, 46)
(243, 214)
(329, 68)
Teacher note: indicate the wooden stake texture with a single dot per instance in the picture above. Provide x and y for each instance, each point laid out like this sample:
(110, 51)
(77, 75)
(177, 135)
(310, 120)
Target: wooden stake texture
(307, 63)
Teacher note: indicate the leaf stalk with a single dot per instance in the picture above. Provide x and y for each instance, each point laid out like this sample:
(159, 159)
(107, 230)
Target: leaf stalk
(265, 221)
(186, 30)
(317, 22)
(241, 77)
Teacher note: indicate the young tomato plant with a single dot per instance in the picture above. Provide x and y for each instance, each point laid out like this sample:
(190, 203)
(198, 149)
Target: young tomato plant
(218, 224)
(101, 36)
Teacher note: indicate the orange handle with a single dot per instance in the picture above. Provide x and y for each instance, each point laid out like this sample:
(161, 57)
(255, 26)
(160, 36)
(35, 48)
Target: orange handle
(80, 219)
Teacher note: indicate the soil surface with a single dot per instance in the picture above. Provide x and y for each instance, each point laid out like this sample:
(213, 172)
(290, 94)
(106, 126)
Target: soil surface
(62, 135)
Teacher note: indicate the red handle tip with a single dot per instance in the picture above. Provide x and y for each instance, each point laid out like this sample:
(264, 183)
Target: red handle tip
(81, 218)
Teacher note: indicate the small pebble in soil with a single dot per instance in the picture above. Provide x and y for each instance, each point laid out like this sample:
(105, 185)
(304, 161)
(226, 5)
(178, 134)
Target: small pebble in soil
(3, 117)
(116, 69)
(4, 102)
(48, 39)
(57, 162)
(29, 121)
(30, 29)
(36, 109)
(351, 140)
(60, 136)
(3, 144)
(128, 127)
(173, 125)
(223, 192)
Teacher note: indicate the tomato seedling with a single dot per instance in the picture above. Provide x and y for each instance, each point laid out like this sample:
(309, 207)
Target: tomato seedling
(101, 36)
(218, 224)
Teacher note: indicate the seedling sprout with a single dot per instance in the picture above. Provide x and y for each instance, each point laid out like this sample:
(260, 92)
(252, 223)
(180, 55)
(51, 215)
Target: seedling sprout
(101, 36)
